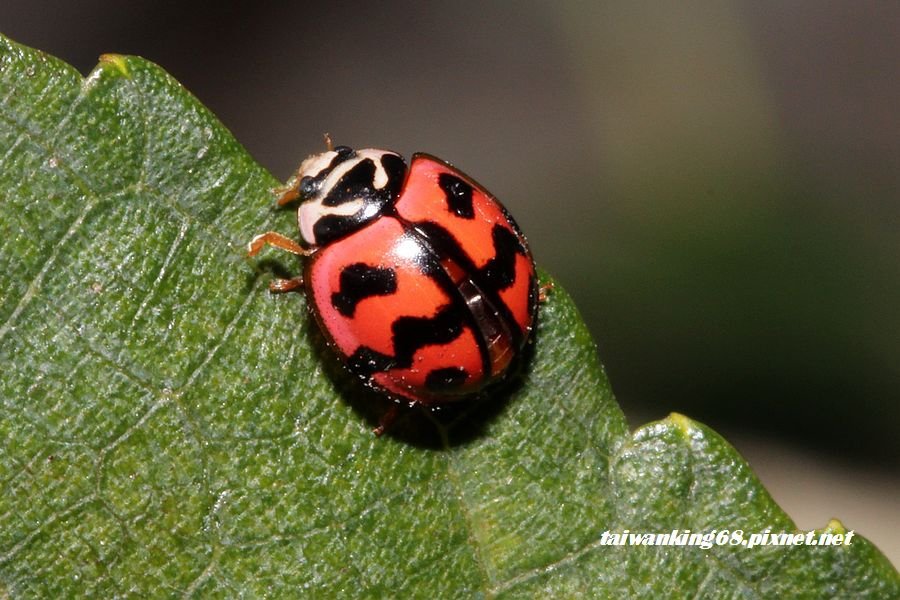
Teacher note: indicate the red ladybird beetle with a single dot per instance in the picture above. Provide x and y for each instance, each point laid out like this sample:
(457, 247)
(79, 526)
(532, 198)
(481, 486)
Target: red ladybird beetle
(419, 278)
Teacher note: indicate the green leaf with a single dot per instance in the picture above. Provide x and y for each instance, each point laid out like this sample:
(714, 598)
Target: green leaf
(170, 427)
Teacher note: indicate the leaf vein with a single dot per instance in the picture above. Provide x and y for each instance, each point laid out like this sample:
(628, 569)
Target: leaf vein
(51, 519)
(33, 287)
(163, 270)
(488, 575)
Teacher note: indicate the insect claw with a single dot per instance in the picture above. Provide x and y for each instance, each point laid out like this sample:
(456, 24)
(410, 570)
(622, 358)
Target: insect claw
(387, 420)
(280, 286)
(286, 194)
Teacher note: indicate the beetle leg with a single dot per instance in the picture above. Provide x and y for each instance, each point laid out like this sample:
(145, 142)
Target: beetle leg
(286, 194)
(387, 420)
(280, 286)
(544, 292)
(281, 242)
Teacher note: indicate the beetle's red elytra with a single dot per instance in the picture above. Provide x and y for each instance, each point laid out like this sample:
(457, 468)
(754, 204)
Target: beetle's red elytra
(419, 278)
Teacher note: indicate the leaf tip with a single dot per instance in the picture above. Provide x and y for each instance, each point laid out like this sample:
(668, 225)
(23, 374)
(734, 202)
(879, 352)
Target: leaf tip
(117, 61)
(835, 526)
(682, 422)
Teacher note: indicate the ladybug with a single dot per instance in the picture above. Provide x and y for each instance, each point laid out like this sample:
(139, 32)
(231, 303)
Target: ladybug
(419, 278)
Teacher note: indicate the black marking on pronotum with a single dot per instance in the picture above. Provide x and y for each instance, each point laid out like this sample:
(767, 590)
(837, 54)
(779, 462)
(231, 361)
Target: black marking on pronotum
(395, 167)
(446, 379)
(458, 194)
(328, 228)
(310, 185)
(358, 183)
(360, 281)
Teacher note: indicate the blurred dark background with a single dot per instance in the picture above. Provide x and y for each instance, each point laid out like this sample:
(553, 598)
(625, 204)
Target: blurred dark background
(716, 184)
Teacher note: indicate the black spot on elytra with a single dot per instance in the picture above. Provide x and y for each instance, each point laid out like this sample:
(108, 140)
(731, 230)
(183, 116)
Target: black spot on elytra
(366, 361)
(446, 379)
(360, 281)
(500, 271)
(410, 334)
(497, 274)
(459, 195)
